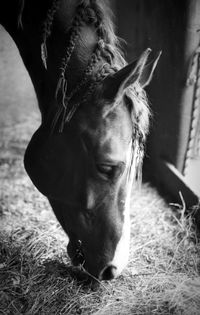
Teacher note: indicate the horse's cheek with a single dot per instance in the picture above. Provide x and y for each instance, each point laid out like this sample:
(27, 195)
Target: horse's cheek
(48, 164)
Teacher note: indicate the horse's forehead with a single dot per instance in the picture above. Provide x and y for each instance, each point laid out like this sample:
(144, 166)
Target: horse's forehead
(112, 147)
(112, 134)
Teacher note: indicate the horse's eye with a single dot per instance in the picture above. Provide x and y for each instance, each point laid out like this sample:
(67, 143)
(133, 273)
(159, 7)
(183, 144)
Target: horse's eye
(106, 170)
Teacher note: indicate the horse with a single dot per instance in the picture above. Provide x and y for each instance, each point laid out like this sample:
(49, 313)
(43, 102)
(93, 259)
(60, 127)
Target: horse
(88, 150)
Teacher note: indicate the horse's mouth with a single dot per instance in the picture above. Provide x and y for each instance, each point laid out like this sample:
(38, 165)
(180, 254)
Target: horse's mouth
(78, 257)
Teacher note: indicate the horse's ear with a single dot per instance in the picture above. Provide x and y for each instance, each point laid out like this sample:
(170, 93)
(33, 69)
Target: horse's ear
(115, 84)
(147, 73)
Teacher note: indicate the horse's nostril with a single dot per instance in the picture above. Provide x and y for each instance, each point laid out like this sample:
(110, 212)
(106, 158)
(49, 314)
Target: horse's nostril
(108, 273)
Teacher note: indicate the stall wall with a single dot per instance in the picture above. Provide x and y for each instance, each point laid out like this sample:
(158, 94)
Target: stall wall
(173, 27)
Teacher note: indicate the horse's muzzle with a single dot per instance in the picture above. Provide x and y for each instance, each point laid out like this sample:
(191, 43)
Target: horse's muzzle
(108, 273)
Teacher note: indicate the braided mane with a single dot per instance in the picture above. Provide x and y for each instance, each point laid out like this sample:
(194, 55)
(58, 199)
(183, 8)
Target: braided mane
(93, 13)
(106, 58)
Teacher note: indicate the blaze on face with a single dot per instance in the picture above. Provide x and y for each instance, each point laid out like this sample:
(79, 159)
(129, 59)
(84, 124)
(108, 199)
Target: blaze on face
(85, 173)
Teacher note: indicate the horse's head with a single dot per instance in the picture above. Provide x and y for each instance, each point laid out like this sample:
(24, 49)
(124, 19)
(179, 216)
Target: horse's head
(87, 170)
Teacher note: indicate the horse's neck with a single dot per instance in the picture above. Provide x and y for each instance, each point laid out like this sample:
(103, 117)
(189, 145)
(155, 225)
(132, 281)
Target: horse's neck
(28, 38)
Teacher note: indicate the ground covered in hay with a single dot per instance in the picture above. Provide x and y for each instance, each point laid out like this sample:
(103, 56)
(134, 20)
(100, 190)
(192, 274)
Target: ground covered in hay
(36, 276)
